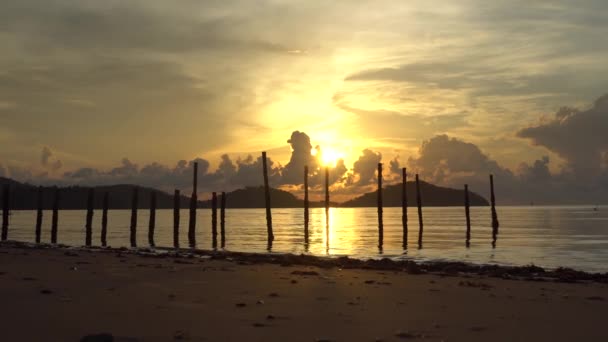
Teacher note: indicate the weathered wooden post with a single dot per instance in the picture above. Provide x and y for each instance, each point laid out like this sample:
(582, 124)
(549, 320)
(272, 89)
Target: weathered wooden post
(380, 221)
(104, 219)
(306, 210)
(419, 202)
(5, 210)
(327, 207)
(267, 199)
(214, 219)
(152, 221)
(193, 205)
(467, 214)
(176, 208)
(404, 205)
(89, 223)
(223, 220)
(55, 218)
(494, 214)
(133, 236)
(39, 215)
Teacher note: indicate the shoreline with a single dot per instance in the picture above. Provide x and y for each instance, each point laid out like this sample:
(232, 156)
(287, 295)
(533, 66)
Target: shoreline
(443, 268)
(64, 293)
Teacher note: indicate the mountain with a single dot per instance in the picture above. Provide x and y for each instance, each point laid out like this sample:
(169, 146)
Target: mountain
(432, 196)
(24, 196)
(253, 197)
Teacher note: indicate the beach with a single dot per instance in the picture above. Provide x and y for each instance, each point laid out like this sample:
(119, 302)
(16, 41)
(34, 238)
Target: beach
(65, 294)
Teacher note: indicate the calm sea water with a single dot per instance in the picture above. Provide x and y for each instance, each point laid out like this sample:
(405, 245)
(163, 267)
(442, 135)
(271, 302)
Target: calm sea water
(573, 236)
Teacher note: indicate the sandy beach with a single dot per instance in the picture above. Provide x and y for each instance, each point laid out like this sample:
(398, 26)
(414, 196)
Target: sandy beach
(60, 294)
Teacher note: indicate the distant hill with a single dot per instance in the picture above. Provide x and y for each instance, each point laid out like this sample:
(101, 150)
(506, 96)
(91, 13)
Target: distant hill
(253, 197)
(24, 196)
(432, 196)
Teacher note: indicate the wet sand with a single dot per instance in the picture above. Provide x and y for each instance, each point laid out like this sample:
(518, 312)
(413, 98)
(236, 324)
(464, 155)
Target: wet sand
(65, 294)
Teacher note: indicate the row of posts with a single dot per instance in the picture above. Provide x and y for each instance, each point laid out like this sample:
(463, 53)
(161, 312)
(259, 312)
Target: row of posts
(133, 223)
(404, 206)
(214, 206)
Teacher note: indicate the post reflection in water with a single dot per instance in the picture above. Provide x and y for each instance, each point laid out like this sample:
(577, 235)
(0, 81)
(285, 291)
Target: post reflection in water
(574, 236)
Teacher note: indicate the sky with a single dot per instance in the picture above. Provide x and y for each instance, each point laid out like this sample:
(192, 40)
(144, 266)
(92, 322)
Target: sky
(99, 92)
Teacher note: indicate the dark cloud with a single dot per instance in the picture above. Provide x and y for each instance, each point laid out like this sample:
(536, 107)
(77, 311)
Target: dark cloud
(366, 167)
(118, 25)
(577, 136)
(46, 154)
(445, 160)
(452, 162)
(47, 161)
(488, 78)
(301, 156)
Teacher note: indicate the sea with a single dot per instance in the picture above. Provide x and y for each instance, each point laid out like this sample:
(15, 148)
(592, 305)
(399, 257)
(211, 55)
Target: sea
(546, 236)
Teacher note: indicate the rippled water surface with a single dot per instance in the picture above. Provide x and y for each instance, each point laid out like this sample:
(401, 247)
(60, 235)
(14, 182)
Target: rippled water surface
(575, 236)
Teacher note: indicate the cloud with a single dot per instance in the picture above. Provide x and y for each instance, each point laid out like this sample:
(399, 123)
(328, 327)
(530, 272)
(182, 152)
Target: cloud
(453, 162)
(301, 156)
(46, 154)
(578, 136)
(46, 161)
(366, 166)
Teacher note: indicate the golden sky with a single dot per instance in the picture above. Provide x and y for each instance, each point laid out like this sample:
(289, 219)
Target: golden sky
(94, 82)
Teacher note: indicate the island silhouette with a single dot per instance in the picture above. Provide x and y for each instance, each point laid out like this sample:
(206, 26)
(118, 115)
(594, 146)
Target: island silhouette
(24, 196)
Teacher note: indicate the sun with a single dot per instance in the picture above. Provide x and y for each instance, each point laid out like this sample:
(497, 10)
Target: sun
(329, 157)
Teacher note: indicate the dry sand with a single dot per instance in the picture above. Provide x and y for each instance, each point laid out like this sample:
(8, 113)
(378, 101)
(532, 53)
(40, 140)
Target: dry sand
(63, 295)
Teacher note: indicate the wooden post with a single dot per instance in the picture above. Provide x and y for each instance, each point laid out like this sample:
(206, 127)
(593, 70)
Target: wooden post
(327, 207)
(494, 214)
(152, 221)
(55, 218)
(5, 211)
(419, 202)
(89, 223)
(267, 199)
(306, 211)
(39, 216)
(214, 219)
(133, 236)
(404, 205)
(193, 205)
(380, 221)
(223, 220)
(104, 219)
(467, 214)
(176, 208)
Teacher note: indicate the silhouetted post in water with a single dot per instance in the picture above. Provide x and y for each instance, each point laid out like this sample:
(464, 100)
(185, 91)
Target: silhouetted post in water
(494, 215)
(134, 217)
(39, 215)
(380, 223)
(152, 222)
(193, 204)
(55, 218)
(214, 219)
(327, 206)
(419, 202)
(267, 199)
(89, 225)
(404, 205)
(467, 213)
(104, 219)
(223, 220)
(5, 213)
(176, 207)
(306, 217)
